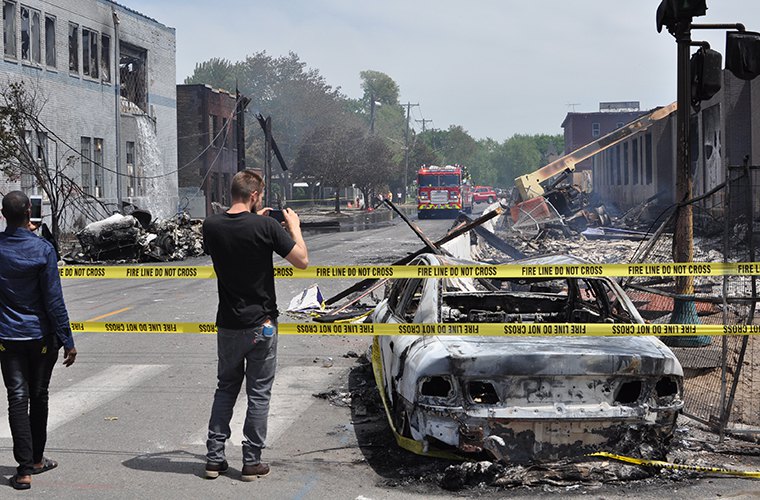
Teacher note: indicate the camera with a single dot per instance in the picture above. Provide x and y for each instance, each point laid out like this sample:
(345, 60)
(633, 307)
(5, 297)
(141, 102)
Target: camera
(36, 216)
(277, 215)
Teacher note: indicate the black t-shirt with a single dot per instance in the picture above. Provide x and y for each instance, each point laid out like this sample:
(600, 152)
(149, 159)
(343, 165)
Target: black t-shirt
(241, 247)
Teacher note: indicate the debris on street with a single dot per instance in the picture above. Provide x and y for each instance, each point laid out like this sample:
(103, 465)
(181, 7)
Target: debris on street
(134, 238)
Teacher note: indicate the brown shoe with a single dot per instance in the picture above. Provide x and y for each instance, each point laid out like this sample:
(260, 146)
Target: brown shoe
(213, 469)
(251, 472)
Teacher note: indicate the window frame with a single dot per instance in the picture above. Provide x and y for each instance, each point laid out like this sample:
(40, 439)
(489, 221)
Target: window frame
(13, 53)
(51, 44)
(74, 50)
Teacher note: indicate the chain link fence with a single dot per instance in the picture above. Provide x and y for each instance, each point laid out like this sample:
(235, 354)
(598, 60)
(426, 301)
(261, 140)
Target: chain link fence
(720, 386)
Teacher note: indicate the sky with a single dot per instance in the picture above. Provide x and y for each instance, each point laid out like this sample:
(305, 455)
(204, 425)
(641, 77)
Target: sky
(495, 67)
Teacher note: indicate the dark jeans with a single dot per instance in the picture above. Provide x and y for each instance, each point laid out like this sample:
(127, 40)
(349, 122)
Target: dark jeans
(242, 354)
(27, 366)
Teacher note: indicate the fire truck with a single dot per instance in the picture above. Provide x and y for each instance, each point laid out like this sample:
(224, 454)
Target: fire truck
(443, 190)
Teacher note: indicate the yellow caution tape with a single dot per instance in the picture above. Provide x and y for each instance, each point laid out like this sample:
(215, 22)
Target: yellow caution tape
(141, 272)
(669, 465)
(461, 271)
(441, 329)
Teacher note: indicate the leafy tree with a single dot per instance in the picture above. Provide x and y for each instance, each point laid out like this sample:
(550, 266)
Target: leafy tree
(217, 72)
(23, 155)
(375, 165)
(380, 86)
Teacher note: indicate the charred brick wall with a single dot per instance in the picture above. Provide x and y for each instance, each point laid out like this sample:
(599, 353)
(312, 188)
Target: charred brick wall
(207, 147)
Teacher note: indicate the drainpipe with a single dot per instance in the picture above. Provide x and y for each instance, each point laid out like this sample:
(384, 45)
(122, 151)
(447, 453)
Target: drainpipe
(117, 104)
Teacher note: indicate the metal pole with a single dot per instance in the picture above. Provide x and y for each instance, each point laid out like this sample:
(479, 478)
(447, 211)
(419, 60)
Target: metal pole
(117, 104)
(406, 151)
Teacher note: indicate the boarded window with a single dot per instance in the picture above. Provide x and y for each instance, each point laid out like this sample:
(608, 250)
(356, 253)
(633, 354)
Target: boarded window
(50, 41)
(86, 154)
(9, 28)
(105, 58)
(73, 48)
(90, 53)
(97, 163)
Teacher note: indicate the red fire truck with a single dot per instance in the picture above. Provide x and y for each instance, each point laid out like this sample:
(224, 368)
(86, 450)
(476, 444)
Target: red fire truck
(443, 190)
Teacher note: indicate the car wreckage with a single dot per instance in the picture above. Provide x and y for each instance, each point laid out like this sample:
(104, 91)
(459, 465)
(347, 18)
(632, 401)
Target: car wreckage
(530, 398)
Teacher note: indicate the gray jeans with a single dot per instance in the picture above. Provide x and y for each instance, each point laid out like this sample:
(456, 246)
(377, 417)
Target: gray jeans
(242, 354)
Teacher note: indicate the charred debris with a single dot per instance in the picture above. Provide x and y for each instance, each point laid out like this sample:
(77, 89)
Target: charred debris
(136, 237)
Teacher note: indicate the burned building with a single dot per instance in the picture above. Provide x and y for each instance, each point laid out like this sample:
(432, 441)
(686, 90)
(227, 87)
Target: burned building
(724, 131)
(107, 76)
(583, 128)
(207, 147)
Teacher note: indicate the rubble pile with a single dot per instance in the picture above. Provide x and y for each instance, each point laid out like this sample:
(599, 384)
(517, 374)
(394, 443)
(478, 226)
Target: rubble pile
(129, 238)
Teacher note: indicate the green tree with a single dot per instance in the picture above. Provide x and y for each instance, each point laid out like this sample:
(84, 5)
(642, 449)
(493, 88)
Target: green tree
(380, 86)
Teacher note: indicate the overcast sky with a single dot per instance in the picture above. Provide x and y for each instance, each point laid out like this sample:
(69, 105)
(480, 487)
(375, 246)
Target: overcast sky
(495, 67)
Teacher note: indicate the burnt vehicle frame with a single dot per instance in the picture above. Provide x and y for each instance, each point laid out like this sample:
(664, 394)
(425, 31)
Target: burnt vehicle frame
(524, 399)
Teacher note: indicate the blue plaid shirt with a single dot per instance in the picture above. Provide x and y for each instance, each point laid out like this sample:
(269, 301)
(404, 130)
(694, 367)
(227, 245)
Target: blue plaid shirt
(31, 299)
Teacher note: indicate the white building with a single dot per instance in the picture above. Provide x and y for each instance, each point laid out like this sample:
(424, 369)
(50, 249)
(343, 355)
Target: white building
(74, 54)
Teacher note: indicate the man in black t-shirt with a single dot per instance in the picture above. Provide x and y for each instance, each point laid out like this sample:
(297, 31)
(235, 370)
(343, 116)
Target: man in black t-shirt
(241, 242)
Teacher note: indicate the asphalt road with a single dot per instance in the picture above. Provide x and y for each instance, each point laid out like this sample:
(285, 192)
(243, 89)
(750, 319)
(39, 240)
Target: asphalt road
(128, 420)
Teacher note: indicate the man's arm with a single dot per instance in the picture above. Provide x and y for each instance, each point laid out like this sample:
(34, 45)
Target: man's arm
(299, 255)
(52, 296)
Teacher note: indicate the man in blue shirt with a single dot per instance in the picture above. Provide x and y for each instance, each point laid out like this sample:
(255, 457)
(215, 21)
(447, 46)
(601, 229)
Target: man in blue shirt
(33, 326)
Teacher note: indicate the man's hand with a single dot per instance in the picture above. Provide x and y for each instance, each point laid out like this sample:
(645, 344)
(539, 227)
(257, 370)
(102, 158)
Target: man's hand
(69, 356)
(264, 211)
(291, 218)
(33, 226)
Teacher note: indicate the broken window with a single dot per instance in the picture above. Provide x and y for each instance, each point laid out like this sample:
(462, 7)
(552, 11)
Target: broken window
(50, 41)
(90, 53)
(97, 161)
(9, 28)
(86, 154)
(132, 72)
(37, 148)
(131, 181)
(105, 58)
(30, 35)
(73, 48)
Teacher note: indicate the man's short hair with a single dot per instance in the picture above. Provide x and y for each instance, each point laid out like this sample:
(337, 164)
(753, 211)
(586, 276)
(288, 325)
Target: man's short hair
(15, 207)
(244, 183)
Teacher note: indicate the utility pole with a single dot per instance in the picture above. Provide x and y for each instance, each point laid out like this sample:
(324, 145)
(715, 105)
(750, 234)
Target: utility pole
(406, 150)
(371, 114)
(423, 121)
(117, 98)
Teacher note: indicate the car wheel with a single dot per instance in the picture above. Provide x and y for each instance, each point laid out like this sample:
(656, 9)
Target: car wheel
(490, 199)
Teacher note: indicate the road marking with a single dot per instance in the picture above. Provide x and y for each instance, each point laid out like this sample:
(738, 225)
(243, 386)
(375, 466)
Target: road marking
(291, 397)
(82, 397)
(96, 318)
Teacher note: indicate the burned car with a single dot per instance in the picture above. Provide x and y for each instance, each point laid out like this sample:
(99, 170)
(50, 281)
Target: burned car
(524, 398)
